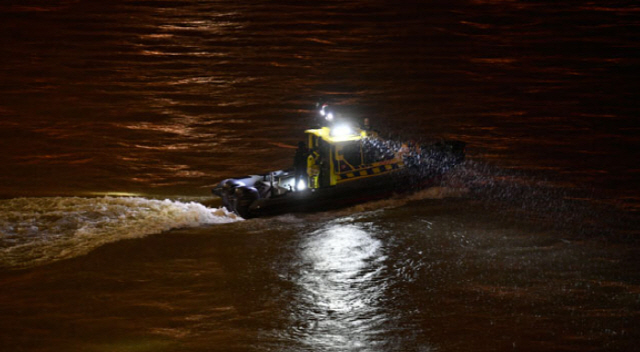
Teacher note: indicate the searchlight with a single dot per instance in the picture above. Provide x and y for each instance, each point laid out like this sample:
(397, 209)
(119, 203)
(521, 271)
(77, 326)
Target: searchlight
(341, 131)
(329, 116)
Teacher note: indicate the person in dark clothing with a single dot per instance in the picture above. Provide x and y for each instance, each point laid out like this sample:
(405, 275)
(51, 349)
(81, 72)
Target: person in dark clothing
(300, 165)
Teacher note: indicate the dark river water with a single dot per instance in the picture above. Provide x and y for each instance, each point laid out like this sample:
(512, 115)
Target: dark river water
(117, 117)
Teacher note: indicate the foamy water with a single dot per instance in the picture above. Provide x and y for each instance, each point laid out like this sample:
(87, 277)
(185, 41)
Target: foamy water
(35, 231)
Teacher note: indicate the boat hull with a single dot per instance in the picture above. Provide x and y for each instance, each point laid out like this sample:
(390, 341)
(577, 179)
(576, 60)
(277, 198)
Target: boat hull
(273, 193)
(339, 196)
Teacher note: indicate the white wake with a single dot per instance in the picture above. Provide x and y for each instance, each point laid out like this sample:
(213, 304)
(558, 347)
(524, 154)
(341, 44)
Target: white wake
(36, 231)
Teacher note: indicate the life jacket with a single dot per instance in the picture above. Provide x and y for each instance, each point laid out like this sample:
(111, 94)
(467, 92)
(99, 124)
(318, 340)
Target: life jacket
(313, 169)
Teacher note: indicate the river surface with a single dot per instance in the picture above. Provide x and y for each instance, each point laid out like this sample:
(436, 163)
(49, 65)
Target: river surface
(117, 117)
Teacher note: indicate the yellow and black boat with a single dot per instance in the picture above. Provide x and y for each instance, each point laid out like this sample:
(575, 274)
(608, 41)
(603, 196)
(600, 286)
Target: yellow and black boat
(342, 166)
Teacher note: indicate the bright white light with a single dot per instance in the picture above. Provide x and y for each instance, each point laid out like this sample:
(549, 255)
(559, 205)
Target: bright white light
(301, 185)
(322, 112)
(329, 116)
(341, 131)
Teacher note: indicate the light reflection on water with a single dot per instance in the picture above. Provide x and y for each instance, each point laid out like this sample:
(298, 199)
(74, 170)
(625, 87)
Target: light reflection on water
(342, 288)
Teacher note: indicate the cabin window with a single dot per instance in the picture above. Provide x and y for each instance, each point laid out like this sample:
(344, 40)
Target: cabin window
(351, 153)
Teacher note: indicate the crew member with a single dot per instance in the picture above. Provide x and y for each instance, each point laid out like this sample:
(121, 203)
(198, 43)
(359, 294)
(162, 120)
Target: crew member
(313, 168)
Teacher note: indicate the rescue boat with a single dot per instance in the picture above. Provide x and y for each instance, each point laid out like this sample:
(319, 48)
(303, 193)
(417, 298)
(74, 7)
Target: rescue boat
(345, 166)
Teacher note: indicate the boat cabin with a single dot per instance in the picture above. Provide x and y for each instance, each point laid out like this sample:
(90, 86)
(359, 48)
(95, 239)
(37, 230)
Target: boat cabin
(341, 154)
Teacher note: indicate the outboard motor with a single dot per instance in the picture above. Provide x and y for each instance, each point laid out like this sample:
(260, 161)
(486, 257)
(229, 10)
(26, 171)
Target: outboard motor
(243, 198)
(226, 191)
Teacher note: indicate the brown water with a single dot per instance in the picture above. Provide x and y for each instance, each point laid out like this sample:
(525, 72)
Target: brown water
(530, 245)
